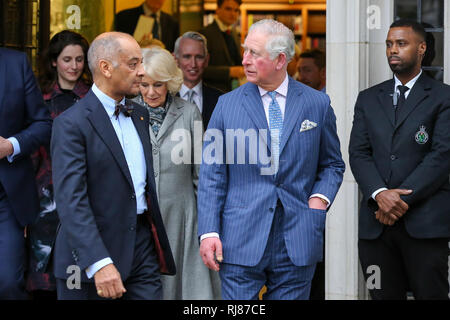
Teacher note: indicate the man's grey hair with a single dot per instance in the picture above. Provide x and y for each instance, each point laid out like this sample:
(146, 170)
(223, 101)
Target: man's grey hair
(194, 36)
(106, 48)
(280, 40)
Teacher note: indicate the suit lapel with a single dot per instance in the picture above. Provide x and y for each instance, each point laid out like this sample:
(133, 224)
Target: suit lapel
(174, 112)
(207, 105)
(2, 79)
(385, 98)
(223, 44)
(255, 110)
(418, 92)
(293, 110)
(102, 125)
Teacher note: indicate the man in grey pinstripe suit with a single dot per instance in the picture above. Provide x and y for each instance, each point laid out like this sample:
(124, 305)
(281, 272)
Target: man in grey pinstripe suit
(260, 226)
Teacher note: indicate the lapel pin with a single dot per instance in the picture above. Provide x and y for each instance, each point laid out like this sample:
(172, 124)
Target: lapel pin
(142, 118)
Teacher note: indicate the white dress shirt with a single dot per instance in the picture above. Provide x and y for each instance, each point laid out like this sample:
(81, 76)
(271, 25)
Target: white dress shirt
(198, 95)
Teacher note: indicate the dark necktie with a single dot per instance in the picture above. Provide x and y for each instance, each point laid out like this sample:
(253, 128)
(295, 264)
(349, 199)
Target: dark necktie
(401, 99)
(155, 31)
(125, 109)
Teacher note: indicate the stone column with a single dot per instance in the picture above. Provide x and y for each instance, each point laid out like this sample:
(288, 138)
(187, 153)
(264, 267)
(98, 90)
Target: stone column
(356, 59)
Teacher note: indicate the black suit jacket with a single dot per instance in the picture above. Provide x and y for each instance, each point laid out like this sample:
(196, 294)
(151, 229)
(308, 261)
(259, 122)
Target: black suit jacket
(210, 97)
(218, 70)
(23, 115)
(412, 154)
(94, 192)
(127, 20)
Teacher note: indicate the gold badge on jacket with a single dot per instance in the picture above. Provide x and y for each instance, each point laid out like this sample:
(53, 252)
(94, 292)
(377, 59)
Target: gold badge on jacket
(421, 135)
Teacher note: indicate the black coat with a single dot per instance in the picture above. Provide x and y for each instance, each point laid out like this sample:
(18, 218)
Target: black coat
(412, 154)
(210, 97)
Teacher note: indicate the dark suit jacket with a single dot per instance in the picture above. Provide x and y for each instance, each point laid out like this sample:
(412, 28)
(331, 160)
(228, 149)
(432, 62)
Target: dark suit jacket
(23, 115)
(394, 156)
(218, 70)
(127, 20)
(210, 97)
(94, 192)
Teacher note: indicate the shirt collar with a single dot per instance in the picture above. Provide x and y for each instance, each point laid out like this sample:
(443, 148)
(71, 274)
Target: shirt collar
(184, 89)
(410, 83)
(108, 103)
(222, 25)
(282, 89)
(148, 11)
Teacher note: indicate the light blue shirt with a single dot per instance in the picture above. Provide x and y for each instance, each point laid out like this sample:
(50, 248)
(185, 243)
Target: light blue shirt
(16, 149)
(134, 154)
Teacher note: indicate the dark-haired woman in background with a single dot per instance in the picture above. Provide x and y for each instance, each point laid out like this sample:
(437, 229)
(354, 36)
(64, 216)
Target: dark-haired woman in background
(64, 79)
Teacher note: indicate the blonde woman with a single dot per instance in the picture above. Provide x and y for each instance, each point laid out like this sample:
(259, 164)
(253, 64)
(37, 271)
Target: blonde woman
(172, 123)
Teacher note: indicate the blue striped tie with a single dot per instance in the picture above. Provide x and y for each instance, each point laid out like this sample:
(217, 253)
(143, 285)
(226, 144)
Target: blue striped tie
(276, 128)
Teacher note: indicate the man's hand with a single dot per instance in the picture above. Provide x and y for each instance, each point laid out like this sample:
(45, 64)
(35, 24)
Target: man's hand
(6, 148)
(384, 219)
(237, 72)
(208, 247)
(390, 206)
(317, 203)
(108, 282)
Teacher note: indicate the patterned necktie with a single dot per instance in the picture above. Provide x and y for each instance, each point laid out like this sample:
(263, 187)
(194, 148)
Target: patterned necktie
(275, 127)
(126, 109)
(155, 31)
(401, 99)
(191, 94)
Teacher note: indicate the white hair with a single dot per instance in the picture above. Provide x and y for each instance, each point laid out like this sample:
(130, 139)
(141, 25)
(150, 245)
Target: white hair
(194, 36)
(160, 65)
(280, 40)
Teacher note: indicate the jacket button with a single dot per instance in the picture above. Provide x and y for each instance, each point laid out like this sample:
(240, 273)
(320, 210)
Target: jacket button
(393, 157)
(132, 228)
(133, 196)
(271, 209)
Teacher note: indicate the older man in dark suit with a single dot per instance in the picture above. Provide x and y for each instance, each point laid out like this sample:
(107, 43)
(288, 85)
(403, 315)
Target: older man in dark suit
(111, 227)
(25, 125)
(400, 157)
(191, 54)
(165, 29)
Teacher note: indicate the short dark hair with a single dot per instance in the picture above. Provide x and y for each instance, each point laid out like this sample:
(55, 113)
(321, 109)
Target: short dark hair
(416, 26)
(318, 55)
(220, 2)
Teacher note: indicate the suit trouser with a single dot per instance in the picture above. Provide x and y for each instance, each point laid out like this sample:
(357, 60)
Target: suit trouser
(12, 253)
(405, 264)
(283, 279)
(144, 281)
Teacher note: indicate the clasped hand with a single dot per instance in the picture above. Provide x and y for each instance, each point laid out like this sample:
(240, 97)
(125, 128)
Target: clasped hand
(390, 206)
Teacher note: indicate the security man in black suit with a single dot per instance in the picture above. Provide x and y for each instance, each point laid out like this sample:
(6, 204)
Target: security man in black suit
(400, 157)
(165, 29)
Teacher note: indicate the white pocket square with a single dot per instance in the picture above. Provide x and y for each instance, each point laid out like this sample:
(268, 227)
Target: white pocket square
(307, 125)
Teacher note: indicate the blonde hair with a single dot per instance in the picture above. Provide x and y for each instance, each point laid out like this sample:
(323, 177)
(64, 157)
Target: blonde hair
(160, 65)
